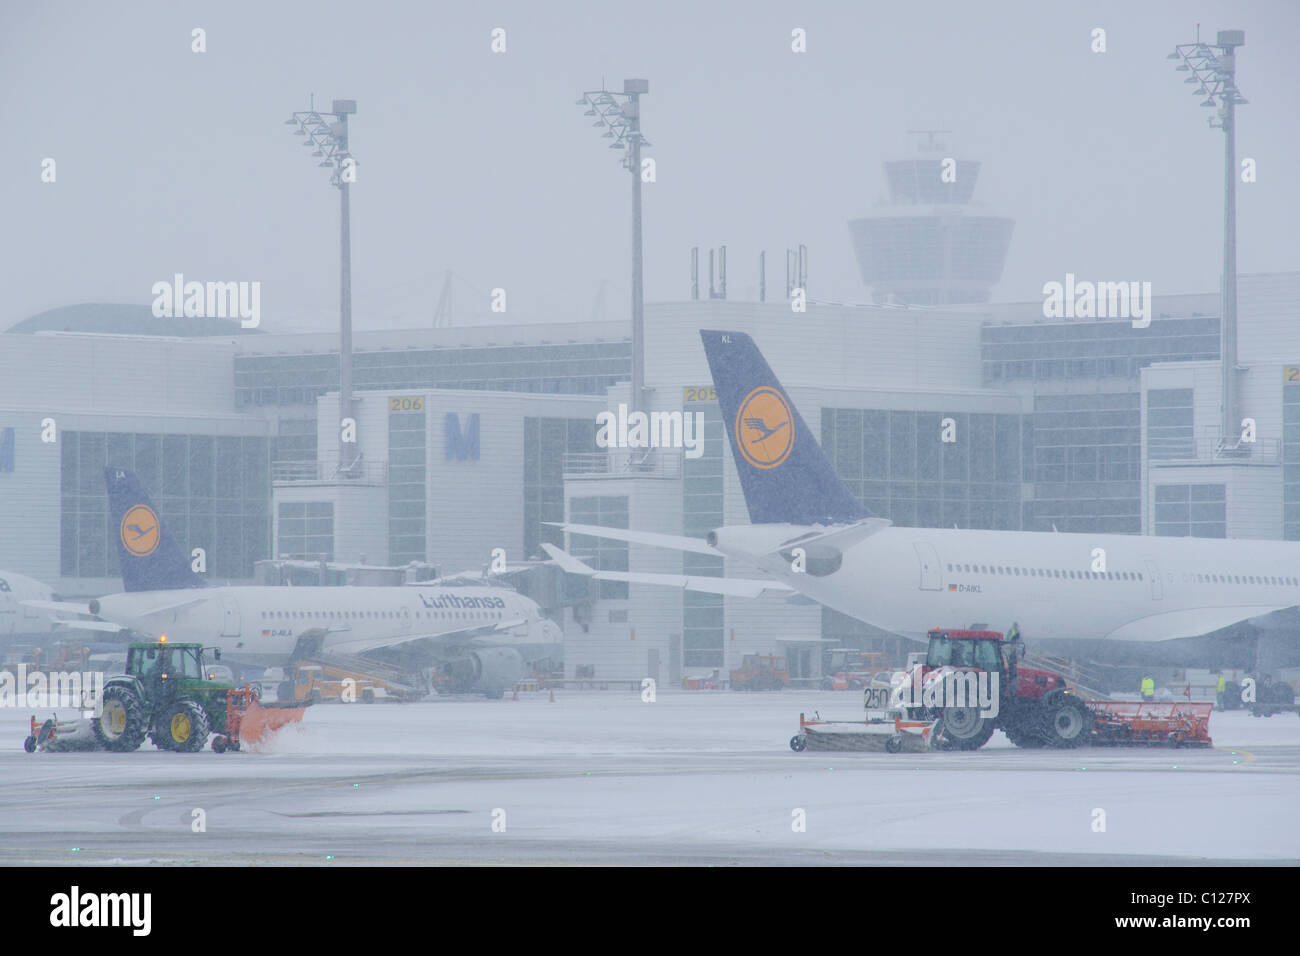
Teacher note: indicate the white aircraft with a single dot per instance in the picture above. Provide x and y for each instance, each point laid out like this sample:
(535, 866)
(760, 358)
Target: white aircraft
(16, 617)
(482, 635)
(813, 537)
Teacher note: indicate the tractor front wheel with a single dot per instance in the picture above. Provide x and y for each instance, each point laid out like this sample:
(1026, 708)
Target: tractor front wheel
(185, 727)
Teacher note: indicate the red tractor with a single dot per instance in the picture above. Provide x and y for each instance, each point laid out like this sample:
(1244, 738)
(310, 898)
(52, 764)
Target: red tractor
(1034, 707)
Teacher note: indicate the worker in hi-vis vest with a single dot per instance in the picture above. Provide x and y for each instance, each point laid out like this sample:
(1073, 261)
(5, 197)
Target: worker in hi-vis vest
(1148, 688)
(1218, 692)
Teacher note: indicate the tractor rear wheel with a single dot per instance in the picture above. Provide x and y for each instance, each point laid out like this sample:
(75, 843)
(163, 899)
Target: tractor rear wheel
(185, 727)
(1021, 721)
(121, 725)
(962, 728)
(1065, 719)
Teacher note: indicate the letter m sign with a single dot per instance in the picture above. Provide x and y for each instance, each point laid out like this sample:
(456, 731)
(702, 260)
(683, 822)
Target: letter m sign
(462, 445)
(7, 449)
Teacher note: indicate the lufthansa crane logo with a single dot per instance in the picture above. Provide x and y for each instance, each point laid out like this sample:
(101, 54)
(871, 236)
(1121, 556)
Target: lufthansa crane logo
(139, 531)
(765, 427)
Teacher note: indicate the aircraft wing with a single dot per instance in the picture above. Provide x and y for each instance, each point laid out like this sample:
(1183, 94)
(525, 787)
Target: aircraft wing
(1193, 622)
(733, 587)
(654, 539)
(90, 625)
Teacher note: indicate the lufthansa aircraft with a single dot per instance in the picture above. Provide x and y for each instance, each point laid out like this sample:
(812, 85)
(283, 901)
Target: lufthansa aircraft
(481, 634)
(812, 536)
(16, 615)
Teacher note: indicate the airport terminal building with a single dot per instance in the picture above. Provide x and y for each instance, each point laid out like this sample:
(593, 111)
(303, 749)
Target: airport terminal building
(469, 440)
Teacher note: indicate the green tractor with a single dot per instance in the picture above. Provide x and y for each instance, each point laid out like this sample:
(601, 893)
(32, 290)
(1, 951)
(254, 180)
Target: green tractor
(165, 694)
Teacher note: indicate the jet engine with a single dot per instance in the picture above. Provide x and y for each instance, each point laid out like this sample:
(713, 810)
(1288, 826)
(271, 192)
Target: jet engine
(489, 671)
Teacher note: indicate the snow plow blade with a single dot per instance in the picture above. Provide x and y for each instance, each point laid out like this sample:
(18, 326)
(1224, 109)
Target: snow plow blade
(877, 735)
(1156, 723)
(250, 723)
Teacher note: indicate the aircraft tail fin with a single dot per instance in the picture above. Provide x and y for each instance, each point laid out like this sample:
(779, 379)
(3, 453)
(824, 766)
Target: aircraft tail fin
(785, 475)
(149, 556)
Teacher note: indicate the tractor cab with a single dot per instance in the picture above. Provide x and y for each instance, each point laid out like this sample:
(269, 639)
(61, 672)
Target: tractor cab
(165, 661)
(989, 651)
(980, 649)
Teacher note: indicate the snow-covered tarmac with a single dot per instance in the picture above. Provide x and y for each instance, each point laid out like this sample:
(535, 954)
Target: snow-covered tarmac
(601, 777)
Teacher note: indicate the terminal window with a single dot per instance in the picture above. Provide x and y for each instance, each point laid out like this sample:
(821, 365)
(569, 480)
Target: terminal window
(305, 530)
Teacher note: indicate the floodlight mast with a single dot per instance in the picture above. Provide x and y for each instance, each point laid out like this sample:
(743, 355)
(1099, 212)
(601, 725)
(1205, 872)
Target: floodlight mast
(620, 115)
(1214, 68)
(331, 142)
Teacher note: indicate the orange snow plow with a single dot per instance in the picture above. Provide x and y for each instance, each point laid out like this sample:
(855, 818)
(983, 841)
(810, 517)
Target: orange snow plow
(249, 722)
(1181, 723)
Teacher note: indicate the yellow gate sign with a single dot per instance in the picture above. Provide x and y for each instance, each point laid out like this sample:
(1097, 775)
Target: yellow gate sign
(406, 403)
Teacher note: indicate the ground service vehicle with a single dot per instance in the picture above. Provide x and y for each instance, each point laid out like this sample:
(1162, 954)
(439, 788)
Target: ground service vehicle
(761, 672)
(164, 694)
(1035, 708)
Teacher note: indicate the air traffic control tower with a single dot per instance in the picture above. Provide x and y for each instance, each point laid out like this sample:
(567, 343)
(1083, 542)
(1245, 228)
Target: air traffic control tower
(929, 244)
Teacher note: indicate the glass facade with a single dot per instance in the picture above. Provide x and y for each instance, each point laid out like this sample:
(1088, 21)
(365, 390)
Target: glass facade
(305, 530)
(211, 492)
(407, 487)
(1083, 449)
(1058, 351)
(572, 368)
(1198, 511)
(546, 442)
(1169, 424)
(296, 441)
(603, 554)
(1291, 461)
(702, 614)
(899, 466)
(1085, 463)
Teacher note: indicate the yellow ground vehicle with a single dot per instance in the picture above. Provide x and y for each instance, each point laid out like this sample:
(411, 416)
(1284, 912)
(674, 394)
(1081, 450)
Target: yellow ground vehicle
(310, 682)
(350, 678)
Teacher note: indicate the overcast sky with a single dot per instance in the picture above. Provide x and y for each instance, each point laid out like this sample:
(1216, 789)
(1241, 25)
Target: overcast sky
(173, 161)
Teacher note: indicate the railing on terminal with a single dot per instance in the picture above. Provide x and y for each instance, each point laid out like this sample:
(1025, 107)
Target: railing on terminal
(360, 472)
(1228, 451)
(624, 463)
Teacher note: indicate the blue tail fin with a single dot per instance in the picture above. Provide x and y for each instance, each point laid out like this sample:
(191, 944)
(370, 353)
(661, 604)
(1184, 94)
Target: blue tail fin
(784, 473)
(151, 559)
